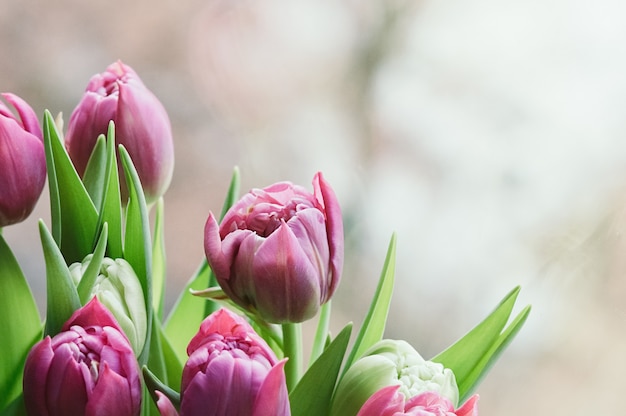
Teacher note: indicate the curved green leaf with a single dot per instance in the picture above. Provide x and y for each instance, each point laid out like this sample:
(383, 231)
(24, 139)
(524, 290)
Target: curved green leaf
(62, 298)
(20, 324)
(312, 395)
(374, 324)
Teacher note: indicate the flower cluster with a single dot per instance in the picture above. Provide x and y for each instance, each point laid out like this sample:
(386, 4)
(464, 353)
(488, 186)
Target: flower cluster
(232, 343)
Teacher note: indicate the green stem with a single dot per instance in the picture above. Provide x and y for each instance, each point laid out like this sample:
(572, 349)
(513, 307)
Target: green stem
(292, 348)
(321, 334)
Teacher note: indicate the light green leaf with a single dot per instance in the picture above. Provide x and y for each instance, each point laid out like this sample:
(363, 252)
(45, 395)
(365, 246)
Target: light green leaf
(90, 275)
(137, 241)
(110, 208)
(158, 261)
(312, 395)
(62, 298)
(74, 216)
(94, 177)
(472, 355)
(374, 324)
(20, 324)
(188, 312)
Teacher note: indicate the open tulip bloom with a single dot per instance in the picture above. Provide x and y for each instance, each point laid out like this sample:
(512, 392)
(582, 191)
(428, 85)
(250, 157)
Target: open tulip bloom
(232, 343)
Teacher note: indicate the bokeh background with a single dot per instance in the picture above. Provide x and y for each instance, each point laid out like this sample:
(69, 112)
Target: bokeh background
(489, 135)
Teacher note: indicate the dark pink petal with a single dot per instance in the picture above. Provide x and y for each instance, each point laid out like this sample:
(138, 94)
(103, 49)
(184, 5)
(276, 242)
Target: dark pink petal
(27, 115)
(286, 284)
(165, 406)
(111, 396)
(92, 314)
(69, 396)
(272, 398)
(387, 401)
(469, 408)
(213, 249)
(35, 377)
(334, 228)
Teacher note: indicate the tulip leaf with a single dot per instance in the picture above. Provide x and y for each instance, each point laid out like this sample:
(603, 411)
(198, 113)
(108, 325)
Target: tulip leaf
(62, 297)
(158, 261)
(321, 333)
(374, 324)
(312, 395)
(74, 216)
(189, 311)
(137, 241)
(16, 407)
(472, 355)
(110, 208)
(20, 324)
(173, 365)
(155, 384)
(92, 271)
(156, 362)
(94, 177)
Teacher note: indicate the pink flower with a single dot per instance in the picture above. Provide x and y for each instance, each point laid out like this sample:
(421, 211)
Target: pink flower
(87, 369)
(22, 161)
(388, 401)
(231, 371)
(141, 125)
(279, 250)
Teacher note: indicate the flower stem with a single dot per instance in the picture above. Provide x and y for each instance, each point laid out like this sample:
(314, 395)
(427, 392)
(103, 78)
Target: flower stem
(321, 334)
(292, 348)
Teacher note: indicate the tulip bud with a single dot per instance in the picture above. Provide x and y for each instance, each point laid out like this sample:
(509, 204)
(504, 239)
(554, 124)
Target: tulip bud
(279, 250)
(231, 371)
(388, 401)
(141, 125)
(391, 363)
(87, 369)
(118, 289)
(22, 161)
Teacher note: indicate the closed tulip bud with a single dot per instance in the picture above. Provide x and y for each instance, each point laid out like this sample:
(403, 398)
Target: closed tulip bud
(279, 250)
(231, 371)
(391, 363)
(388, 401)
(87, 369)
(22, 161)
(118, 289)
(141, 125)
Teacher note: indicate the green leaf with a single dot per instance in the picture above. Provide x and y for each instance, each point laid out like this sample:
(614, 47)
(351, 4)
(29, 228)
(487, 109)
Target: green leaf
(374, 324)
(94, 176)
(472, 355)
(20, 324)
(321, 333)
(173, 365)
(90, 275)
(111, 208)
(154, 383)
(137, 241)
(158, 261)
(62, 297)
(312, 395)
(188, 312)
(74, 216)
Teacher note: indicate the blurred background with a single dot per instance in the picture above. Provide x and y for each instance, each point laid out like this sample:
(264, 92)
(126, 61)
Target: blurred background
(489, 135)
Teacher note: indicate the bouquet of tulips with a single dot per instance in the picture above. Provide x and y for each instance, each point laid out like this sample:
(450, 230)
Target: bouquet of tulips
(232, 343)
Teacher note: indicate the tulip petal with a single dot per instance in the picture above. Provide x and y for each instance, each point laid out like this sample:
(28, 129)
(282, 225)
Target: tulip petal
(272, 398)
(165, 406)
(385, 402)
(470, 407)
(334, 228)
(35, 375)
(27, 115)
(70, 396)
(92, 314)
(111, 395)
(286, 284)
(213, 249)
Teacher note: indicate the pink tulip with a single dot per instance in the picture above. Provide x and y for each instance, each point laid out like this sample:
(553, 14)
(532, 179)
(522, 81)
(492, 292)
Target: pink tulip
(279, 250)
(141, 125)
(22, 161)
(388, 401)
(87, 369)
(231, 371)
